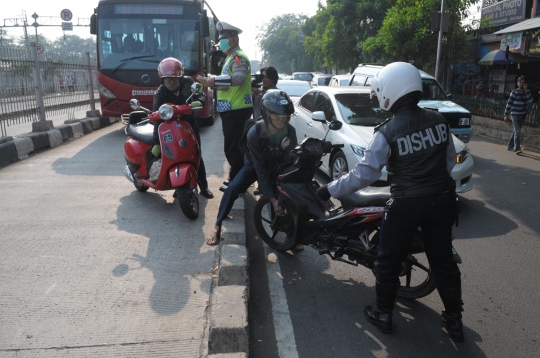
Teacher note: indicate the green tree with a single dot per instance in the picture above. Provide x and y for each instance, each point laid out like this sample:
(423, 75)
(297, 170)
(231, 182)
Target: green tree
(279, 43)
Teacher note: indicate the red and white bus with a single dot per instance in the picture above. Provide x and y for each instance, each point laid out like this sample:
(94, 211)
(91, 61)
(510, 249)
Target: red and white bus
(133, 36)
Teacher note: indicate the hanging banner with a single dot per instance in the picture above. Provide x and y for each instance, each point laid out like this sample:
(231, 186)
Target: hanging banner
(504, 12)
(512, 40)
(534, 42)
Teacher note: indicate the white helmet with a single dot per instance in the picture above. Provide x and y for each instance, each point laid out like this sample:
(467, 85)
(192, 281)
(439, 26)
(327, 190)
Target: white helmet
(394, 82)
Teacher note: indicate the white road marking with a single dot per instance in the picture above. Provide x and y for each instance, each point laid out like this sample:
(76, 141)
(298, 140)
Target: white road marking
(284, 332)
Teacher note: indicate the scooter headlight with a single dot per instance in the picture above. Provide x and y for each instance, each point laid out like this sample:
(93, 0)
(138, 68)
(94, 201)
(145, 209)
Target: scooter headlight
(166, 112)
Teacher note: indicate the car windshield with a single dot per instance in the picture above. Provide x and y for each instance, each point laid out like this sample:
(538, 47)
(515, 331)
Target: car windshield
(357, 109)
(432, 91)
(303, 76)
(294, 90)
(323, 81)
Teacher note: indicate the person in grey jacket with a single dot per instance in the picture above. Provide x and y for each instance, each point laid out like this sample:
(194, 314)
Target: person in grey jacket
(263, 155)
(517, 108)
(417, 148)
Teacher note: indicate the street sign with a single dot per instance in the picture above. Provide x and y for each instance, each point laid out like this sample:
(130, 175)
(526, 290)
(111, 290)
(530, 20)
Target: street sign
(66, 15)
(67, 26)
(39, 49)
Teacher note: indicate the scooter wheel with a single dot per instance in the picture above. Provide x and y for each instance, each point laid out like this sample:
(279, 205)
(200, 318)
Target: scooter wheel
(189, 202)
(140, 186)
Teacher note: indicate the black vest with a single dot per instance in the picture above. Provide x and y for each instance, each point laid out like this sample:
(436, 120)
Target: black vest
(418, 141)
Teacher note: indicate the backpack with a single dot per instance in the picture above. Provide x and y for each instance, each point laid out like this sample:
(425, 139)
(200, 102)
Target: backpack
(242, 143)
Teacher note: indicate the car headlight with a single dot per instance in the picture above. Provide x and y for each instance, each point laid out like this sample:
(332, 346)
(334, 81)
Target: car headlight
(358, 150)
(464, 121)
(104, 91)
(166, 112)
(461, 156)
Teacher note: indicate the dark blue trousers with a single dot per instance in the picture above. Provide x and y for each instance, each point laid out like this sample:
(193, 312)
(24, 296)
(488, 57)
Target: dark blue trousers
(241, 182)
(435, 214)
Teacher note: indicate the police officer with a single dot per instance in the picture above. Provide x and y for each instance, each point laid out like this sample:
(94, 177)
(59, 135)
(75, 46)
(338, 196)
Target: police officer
(417, 148)
(175, 88)
(234, 100)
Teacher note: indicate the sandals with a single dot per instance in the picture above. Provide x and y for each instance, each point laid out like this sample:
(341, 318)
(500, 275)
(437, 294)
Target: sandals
(213, 239)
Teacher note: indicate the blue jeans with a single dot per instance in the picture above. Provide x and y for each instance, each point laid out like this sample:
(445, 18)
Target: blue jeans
(435, 214)
(241, 182)
(517, 121)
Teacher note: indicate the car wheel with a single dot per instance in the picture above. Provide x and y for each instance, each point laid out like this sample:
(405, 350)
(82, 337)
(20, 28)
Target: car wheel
(339, 166)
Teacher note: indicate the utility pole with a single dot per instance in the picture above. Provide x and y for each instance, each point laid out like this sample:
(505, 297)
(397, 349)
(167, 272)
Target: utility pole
(439, 43)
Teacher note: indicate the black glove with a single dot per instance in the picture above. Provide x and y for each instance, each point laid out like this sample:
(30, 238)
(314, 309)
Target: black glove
(323, 193)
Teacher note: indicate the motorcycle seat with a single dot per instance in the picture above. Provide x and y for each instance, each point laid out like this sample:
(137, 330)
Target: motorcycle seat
(144, 134)
(370, 196)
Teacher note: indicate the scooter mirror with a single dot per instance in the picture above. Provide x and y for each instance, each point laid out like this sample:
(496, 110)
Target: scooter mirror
(196, 88)
(285, 143)
(335, 125)
(135, 104)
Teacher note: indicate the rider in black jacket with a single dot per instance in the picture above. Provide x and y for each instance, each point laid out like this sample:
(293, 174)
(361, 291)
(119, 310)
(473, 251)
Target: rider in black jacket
(417, 148)
(175, 89)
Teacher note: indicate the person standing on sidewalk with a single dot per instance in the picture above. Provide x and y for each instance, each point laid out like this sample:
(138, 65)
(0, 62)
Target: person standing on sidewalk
(517, 108)
(234, 102)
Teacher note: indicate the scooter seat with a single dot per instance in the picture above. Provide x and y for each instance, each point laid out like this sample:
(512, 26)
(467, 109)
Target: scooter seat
(143, 134)
(370, 196)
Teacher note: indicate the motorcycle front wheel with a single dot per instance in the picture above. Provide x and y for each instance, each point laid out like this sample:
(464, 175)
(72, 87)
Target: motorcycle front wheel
(140, 186)
(189, 201)
(278, 232)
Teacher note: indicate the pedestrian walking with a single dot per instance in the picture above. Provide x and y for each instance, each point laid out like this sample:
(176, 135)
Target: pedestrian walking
(417, 148)
(69, 82)
(517, 108)
(234, 101)
(62, 82)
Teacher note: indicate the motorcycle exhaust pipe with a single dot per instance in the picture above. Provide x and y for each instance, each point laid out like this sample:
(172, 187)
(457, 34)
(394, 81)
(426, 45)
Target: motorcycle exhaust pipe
(127, 174)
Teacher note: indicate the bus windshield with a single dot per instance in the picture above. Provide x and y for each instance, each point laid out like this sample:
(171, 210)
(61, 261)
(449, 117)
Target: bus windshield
(138, 37)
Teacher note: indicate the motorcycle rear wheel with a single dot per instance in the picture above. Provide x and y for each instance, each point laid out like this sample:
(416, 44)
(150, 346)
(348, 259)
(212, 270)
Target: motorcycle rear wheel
(278, 233)
(416, 277)
(189, 202)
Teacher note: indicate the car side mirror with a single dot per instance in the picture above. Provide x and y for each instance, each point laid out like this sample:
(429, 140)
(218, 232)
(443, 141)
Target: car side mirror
(319, 116)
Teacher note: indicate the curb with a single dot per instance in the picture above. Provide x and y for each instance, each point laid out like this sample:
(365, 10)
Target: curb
(500, 131)
(228, 335)
(13, 149)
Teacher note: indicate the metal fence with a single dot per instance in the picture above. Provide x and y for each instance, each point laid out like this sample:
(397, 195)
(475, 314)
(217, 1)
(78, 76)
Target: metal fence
(494, 108)
(64, 85)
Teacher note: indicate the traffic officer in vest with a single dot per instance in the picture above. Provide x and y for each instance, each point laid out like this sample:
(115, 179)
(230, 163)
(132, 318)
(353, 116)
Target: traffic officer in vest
(417, 148)
(234, 100)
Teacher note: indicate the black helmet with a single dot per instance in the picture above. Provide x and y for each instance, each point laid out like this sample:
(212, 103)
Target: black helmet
(276, 101)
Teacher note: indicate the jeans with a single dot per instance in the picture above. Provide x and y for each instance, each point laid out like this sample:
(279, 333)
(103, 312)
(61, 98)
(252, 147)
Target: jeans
(232, 123)
(435, 214)
(241, 182)
(514, 142)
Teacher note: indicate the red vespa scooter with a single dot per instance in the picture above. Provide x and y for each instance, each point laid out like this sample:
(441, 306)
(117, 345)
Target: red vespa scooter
(180, 153)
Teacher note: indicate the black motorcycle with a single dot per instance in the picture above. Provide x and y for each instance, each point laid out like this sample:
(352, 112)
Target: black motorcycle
(349, 233)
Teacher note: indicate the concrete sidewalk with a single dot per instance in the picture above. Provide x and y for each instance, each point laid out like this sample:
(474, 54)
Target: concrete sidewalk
(225, 326)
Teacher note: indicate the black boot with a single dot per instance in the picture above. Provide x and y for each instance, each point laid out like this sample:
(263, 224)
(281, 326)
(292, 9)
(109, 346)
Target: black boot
(451, 316)
(381, 316)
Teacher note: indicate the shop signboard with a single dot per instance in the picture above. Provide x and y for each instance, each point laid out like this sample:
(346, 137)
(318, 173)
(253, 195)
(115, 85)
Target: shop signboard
(534, 42)
(504, 12)
(512, 40)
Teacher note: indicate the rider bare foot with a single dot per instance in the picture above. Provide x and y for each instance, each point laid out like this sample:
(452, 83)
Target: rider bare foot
(215, 237)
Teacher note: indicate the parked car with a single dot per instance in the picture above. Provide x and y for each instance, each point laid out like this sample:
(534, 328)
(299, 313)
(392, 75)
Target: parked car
(434, 97)
(295, 89)
(302, 76)
(359, 114)
(340, 80)
(320, 80)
